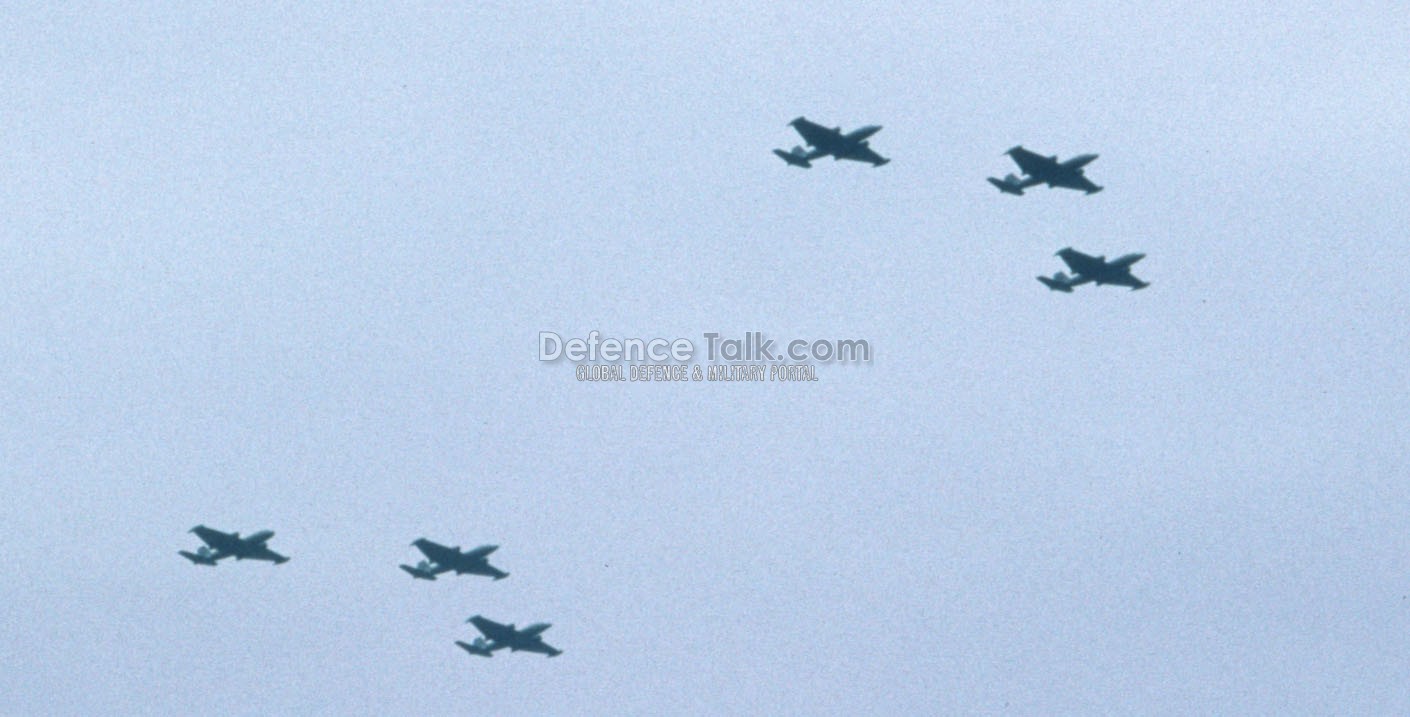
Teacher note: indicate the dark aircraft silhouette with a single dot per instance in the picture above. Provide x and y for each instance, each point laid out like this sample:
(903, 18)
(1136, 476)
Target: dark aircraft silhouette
(1046, 170)
(440, 559)
(502, 636)
(825, 142)
(219, 546)
(1094, 269)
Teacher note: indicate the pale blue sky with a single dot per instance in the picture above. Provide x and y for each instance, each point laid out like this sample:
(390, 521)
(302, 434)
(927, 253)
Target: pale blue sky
(285, 268)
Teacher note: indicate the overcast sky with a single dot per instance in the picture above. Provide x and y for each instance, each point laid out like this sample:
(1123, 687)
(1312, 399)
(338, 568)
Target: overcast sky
(286, 267)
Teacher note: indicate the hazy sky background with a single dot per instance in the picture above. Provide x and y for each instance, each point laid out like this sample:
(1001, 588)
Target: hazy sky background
(285, 267)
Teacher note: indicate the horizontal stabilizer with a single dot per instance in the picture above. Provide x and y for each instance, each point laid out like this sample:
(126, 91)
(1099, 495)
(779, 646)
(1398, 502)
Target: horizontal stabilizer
(793, 159)
(1006, 186)
(1056, 283)
(198, 559)
(474, 649)
(418, 573)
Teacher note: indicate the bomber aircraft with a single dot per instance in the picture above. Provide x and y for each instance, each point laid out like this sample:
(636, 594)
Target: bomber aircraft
(498, 637)
(824, 142)
(1094, 269)
(219, 546)
(1046, 170)
(441, 559)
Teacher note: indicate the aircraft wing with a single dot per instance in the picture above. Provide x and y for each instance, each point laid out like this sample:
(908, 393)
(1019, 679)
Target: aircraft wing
(264, 553)
(863, 153)
(814, 133)
(1080, 263)
(1127, 280)
(1031, 162)
(542, 648)
(437, 553)
(1078, 182)
(482, 569)
(221, 542)
(491, 629)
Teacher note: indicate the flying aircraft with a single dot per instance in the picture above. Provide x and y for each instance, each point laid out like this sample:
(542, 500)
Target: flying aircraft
(1094, 269)
(219, 546)
(825, 142)
(1046, 170)
(502, 636)
(440, 559)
